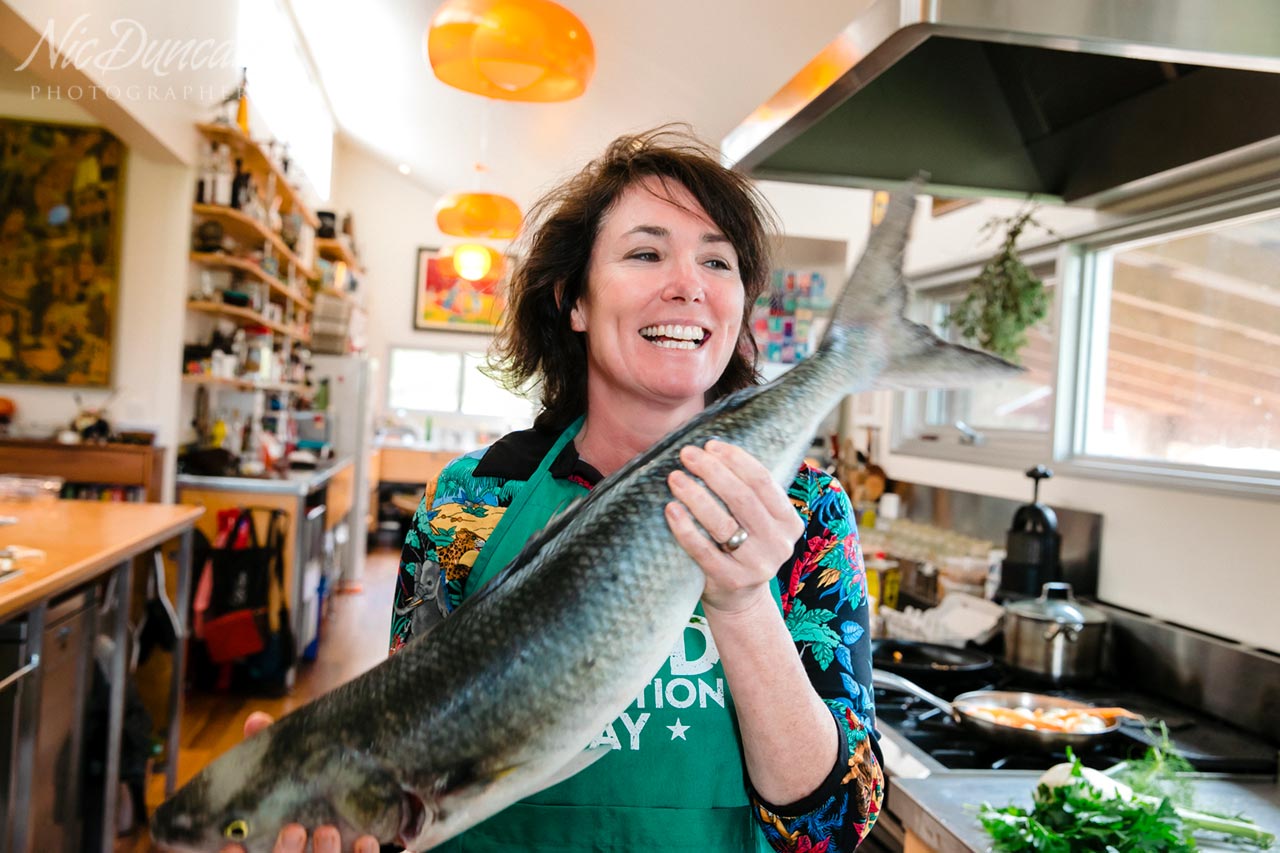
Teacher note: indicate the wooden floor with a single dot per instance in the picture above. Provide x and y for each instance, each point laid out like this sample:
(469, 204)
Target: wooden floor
(355, 637)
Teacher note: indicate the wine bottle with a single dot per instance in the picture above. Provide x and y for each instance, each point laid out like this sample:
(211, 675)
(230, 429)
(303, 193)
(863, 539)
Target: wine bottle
(238, 185)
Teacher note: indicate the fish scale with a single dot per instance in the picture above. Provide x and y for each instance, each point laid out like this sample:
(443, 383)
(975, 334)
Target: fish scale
(501, 699)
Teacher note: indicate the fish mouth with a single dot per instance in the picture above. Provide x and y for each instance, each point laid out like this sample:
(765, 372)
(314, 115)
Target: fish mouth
(677, 336)
(413, 818)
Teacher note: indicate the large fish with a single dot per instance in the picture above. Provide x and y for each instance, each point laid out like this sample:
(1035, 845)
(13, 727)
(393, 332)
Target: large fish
(502, 699)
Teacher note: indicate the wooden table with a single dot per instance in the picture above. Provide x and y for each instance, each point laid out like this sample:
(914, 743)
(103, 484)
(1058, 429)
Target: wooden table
(84, 541)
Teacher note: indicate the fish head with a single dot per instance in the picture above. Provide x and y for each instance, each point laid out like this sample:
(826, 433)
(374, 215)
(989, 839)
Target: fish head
(247, 798)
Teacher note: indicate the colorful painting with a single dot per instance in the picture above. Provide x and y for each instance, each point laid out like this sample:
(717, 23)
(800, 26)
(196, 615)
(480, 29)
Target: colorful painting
(60, 189)
(445, 300)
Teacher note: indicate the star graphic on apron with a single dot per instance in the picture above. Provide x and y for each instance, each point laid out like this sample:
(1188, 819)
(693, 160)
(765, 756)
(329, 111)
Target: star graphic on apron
(677, 731)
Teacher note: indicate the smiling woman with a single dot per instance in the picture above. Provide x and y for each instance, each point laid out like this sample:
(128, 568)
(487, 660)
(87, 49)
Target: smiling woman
(754, 730)
(629, 314)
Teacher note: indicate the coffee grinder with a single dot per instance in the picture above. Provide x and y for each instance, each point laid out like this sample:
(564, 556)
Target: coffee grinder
(1033, 546)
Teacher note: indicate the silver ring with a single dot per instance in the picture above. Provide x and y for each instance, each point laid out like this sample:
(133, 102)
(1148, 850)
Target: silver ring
(734, 542)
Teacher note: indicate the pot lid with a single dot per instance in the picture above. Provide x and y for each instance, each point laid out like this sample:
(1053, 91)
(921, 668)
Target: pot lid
(1057, 604)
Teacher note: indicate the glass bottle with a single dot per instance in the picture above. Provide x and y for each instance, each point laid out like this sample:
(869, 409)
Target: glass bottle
(224, 177)
(242, 105)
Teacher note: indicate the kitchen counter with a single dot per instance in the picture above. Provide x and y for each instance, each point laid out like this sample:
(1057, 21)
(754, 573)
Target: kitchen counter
(80, 540)
(941, 810)
(420, 446)
(297, 482)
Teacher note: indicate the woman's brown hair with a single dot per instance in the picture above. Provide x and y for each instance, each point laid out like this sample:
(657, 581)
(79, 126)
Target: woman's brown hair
(536, 343)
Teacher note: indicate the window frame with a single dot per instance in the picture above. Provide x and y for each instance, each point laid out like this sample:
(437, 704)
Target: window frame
(1086, 305)
(461, 348)
(1077, 310)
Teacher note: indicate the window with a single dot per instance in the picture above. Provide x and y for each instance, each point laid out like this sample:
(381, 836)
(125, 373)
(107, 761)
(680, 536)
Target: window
(450, 382)
(1180, 349)
(1161, 365)
(1008, 422)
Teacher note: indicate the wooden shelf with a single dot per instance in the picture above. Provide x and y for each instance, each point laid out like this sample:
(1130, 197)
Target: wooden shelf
(256, 161)
(249, 316)
(243, 384)
(216, 259)
(248, 230)
(336, 250)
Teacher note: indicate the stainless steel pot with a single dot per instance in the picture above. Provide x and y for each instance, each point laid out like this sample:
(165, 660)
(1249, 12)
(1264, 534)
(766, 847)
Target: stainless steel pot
(1055, 636)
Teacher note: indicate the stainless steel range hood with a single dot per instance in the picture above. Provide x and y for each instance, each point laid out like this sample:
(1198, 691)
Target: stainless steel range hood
(1087, 101)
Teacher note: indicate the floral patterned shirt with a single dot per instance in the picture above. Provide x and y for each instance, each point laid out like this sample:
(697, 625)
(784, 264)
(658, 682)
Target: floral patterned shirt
(824, 603)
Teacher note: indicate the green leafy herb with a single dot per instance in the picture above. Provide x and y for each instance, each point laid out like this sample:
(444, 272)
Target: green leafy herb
(1157, 773)
(1006, 298)
(1076, 818)
(1082, 810)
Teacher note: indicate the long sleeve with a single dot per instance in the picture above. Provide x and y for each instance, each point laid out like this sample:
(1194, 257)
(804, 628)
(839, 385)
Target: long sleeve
(442, 545)
(824, 603)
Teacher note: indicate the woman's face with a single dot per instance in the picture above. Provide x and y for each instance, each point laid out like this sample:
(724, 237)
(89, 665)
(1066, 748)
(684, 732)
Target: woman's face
(663, 305)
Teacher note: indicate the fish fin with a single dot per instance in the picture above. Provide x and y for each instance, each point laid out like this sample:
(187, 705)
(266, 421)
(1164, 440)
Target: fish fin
(878, 298)
(920, 359)
(580, 761)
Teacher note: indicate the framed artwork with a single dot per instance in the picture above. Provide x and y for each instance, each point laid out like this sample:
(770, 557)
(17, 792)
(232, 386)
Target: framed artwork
(60, 190)
(445, 300)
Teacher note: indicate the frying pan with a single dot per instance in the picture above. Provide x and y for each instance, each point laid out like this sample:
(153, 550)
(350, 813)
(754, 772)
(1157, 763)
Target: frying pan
(927, 661)
(961, 710)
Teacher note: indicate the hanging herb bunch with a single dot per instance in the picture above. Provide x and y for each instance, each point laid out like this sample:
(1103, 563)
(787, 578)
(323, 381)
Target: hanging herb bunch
(1006, 298)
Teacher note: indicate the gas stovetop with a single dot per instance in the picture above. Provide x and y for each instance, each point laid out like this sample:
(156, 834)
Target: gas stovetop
(1210, 745)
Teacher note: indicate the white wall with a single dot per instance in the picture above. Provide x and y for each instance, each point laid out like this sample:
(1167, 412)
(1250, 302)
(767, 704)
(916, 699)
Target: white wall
(154, 236)
(393, 215)
(1204, 561)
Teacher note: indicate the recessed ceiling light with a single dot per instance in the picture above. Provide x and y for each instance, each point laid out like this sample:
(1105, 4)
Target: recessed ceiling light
(404, 168)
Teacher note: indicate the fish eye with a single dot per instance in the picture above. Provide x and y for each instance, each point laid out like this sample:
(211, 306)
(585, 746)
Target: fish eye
(237, 830)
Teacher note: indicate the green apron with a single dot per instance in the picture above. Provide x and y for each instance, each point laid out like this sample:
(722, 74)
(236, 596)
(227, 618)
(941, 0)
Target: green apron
(673, 779)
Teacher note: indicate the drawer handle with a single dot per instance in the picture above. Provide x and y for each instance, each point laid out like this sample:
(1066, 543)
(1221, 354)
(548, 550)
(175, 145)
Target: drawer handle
(15, 677)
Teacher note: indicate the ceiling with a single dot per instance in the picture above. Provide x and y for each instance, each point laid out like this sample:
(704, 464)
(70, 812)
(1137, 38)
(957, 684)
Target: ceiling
(705, 62)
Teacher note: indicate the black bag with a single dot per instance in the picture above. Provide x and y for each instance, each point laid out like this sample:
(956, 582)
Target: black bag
(269, 668)
(237, 623)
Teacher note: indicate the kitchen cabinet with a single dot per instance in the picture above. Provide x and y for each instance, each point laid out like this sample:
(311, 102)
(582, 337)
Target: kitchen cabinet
(413, 465)
(127, 466)
(67, 661)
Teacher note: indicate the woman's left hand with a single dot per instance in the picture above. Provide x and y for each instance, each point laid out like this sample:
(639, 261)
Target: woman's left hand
(753, 503)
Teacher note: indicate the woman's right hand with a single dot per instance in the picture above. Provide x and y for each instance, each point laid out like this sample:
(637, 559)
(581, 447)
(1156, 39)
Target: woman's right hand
(293, 838)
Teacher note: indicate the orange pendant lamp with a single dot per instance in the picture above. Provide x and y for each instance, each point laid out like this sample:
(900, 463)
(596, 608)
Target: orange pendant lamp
(513, 50)
(478, 215)
(472, 261)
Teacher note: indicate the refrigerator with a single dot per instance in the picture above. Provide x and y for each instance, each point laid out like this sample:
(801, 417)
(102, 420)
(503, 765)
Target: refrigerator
(350, 412)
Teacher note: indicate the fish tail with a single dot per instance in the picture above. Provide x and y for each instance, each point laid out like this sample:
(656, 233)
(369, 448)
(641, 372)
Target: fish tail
(874, 302)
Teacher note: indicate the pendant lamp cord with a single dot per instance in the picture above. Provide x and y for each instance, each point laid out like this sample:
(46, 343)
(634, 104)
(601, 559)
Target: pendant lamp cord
(482, 167)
